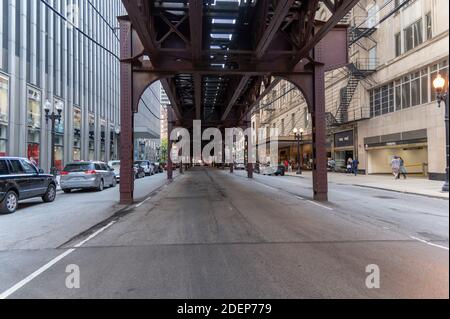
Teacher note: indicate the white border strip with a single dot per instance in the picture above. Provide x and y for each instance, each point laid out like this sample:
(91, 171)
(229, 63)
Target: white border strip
(51, 263)
(428, 243)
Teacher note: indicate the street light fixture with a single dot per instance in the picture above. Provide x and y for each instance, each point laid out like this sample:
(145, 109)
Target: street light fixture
(442, 97)
(53, 117)
(298, 133)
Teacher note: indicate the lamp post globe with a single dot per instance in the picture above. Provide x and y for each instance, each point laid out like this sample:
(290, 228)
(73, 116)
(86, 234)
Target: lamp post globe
(439, 85)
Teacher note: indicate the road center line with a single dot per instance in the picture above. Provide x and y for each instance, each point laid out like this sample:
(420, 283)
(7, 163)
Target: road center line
(320, 205)
(51, 263)
(428, 243)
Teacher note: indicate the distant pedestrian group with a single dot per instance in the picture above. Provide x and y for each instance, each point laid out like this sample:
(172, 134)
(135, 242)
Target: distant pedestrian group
(352, 166)
(398, 167)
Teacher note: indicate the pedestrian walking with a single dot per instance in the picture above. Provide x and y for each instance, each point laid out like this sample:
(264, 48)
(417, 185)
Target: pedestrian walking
(402, 170)
(395, 164)
(286, 165)
(355, 166)
(349, 165)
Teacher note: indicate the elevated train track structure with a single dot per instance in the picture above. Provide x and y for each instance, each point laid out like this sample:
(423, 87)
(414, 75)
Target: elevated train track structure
(217, 59)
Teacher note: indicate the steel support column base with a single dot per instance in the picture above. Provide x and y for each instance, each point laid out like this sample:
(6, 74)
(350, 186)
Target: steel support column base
(321, 197)
(250, 171)
(126, 198)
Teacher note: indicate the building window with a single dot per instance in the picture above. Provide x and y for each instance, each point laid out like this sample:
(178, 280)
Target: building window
(76, 134)
(91, 137)
(406, 92)
(411, 90)
(4, 108)
(398, 95)
(413, 35)
(429, 27)
(34, 124)
(398, 44)
(415, 89)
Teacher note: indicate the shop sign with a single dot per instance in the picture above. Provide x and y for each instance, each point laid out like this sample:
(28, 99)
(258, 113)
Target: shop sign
(343, 139)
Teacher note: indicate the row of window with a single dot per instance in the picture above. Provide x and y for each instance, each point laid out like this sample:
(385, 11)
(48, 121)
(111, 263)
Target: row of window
(57, 55)
(34, 127)
(413, 35)
(408, 91)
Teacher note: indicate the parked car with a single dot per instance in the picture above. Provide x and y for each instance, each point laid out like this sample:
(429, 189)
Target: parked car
(138, 171)
(277, 170)
(20, 179)
(148, 167)
(115, 165)
(280, 170)
(158, 168)
(87, 175)
(240, 166)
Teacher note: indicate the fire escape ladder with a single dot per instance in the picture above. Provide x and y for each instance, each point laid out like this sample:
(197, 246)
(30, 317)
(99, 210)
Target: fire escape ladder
(346, 97)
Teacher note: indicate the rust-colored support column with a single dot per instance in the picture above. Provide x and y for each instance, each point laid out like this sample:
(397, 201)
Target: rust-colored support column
(248, 150)
(181, 167)
(320, 174)
(170, 124)
(126, 117)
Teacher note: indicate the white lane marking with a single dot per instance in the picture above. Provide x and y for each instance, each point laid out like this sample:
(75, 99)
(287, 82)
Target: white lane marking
(320, 205)
(428, 243)
(51, 263)
(269, 187)
(143, 202)
(26, 280)
(98, 232)
(299, 197)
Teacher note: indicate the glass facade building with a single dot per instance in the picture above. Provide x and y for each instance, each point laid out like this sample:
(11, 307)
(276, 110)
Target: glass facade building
(64, 52)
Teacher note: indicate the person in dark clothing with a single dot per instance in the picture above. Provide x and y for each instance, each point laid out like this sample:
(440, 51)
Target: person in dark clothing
(355, 166)
(402, 169)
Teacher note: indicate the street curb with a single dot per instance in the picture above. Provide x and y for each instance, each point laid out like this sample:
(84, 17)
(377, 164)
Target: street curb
(383, 189)
(401, 192)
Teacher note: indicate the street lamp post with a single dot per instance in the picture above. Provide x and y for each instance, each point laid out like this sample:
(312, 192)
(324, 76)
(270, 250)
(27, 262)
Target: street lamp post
(298, 133)
(442, 97)
(53, 117)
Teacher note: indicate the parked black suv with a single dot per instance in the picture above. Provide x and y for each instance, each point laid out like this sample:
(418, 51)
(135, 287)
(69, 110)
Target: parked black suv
(20, 179)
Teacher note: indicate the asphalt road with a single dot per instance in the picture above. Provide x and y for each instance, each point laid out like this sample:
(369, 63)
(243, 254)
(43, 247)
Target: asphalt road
(210, 234)
(37, 225)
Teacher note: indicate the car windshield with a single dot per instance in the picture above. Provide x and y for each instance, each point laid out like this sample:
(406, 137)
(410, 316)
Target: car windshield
(115, 164)
(78, 167)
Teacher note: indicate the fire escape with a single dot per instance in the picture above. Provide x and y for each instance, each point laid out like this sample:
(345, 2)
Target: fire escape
(358, 71)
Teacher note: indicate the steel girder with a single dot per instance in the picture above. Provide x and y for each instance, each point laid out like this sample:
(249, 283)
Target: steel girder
(216, 60)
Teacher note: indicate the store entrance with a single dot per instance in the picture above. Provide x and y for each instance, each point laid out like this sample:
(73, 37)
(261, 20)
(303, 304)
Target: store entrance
(341, 158)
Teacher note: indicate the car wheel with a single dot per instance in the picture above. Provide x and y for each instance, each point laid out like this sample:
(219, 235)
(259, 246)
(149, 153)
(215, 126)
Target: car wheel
(114, 183)
(50, 194)
(67, 191)
(101, 186)
(10, 203)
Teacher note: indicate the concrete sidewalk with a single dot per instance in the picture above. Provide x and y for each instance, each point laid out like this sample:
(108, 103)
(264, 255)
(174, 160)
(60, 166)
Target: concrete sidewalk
(412, 185)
